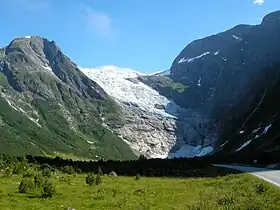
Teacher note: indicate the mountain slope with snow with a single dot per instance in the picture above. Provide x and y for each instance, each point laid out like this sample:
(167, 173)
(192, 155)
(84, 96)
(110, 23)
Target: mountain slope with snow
(154, 125)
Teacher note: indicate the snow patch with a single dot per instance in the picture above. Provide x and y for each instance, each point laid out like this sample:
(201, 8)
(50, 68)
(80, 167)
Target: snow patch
(217, 53)
(27, 37)
(189, 60)
(237, 38)
(182, 60)
(115, 82)
(199, 82)
(244, 145)
(241, 132)
(90, 142)
(224, 144)
(266, 129)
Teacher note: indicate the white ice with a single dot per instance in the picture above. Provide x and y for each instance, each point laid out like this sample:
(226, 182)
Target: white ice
(115, 82)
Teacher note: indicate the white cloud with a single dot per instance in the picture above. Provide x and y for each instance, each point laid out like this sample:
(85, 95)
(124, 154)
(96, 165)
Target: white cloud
(100, 23)
(258, 2)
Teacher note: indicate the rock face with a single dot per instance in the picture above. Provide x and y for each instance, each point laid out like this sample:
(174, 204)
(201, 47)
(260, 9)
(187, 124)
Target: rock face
(49, 107)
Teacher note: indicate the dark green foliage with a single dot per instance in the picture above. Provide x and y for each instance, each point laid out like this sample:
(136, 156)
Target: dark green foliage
(90, 179)
(98, 179)
(49, 190)
(78, 170)
(261, 188)
(29, 173)
(225, 200)
(47, 172)
(25, 185)
(68, 170)
(137, 177)
(39, 180)
(18, 168)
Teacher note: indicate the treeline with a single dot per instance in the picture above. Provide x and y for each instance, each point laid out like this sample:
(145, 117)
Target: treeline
(176, 167)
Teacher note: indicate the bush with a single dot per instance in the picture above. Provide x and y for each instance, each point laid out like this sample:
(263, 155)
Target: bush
(25, 185)
(137, 177)
(18, 168)
(68, 170)
(261, 188)
(78, 170)
(29, 173)
(39, 180)
(48, 190)
(98, 179)
(47, 172)
(90, 179)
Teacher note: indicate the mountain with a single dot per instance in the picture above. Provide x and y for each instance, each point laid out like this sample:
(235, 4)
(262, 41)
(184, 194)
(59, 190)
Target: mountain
(219, 98)
(222, 78)
(49, 107)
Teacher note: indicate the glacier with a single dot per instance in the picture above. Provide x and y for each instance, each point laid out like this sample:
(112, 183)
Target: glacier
(151, 119)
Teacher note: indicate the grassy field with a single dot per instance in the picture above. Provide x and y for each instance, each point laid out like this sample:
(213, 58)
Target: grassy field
(235, 191)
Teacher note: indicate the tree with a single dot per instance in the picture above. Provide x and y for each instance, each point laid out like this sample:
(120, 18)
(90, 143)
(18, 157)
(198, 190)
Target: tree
(100, 172)
(98, 179)
(90, 179)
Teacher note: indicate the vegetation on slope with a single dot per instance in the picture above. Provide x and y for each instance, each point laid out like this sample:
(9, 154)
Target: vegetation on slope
(37, 79)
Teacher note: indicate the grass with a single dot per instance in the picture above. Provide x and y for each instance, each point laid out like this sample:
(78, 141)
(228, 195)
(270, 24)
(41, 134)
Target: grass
(234, 191)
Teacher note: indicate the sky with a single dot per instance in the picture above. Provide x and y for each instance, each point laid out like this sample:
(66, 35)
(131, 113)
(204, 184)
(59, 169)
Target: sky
(145, 35)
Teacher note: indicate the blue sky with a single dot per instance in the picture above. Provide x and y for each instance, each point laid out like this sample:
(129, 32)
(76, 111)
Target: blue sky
(145, 35)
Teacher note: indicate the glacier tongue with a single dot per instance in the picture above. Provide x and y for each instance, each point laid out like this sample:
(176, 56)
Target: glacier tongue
(151, 120)
(117, 84)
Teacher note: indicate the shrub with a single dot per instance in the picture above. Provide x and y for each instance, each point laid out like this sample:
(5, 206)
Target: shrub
(25, 185)
(48, 190)
(39, 180)
(137, 177)
(261, 188)
(225, 200)
(68, 170)
(29, 173)
(18, 168)
(98, 179)
(78, 170)
(47, 172)
(90, 179)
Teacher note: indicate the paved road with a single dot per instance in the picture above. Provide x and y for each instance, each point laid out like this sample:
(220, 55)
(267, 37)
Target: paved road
(270, 175)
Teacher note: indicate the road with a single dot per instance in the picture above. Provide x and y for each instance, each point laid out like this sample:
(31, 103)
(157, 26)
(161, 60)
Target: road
(270, 175)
